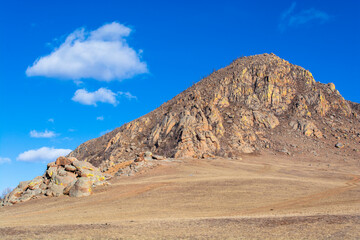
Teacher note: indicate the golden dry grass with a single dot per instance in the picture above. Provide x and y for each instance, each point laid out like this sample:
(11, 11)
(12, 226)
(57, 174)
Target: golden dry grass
(259, 197)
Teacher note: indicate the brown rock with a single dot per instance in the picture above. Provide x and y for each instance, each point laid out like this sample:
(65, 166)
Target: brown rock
(51, 172)
(35, 183)
(267, 120)
(307, 127)
(208, 155)
(140, 158)
(55, 190)
(158, 157)
(80, 165)
(51, 164)
(70, 168)
(331, 86)
(148, 156)
(81, 188)
(65, 180)
(62, 161)
(339, 145)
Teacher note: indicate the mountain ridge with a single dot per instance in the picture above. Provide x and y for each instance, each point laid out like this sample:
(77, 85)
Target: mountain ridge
(235, 110)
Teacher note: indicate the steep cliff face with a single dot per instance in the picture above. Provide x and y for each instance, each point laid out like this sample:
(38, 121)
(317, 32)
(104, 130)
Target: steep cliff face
(237, 109)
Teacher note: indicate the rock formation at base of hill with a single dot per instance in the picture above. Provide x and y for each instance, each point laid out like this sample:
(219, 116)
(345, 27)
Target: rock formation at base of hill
(66, 176)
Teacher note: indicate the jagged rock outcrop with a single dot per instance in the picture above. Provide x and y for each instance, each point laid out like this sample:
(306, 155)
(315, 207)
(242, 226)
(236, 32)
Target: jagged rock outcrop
(66, 176)
(232, 111)
(307, 127)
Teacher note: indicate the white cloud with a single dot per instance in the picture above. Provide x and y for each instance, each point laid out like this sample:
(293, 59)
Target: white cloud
(103, 95)
(102, 54)
(100, 118)
(290, 19)
(51, 120)
(45, 134)
(4, 160)
(44, 154)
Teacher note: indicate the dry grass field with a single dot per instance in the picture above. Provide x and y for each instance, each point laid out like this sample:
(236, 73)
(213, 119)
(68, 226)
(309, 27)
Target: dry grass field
(256, 197)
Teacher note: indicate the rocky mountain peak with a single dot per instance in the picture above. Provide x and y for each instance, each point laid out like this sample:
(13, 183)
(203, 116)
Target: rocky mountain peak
(241, 108)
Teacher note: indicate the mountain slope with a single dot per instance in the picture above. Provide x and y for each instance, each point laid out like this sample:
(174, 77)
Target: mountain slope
(241, 108)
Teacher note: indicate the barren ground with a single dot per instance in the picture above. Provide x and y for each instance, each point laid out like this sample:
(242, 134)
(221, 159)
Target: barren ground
(256, 197)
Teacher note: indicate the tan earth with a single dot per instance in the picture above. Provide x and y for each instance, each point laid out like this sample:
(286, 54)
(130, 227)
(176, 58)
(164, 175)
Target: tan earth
(268, 196)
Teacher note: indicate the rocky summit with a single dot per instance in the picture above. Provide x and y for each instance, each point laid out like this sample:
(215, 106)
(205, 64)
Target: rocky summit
(255, 103)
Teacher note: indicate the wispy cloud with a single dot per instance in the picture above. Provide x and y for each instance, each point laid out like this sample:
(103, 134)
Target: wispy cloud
(45, 134)
(102, 95)
(44, 154)
(100, 118)
(102, 54)
(4, 160)
(289, 11)
(127, 95)
(290, 18)
(51, 120)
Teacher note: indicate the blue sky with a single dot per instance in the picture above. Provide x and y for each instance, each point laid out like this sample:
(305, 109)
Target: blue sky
(72, 70)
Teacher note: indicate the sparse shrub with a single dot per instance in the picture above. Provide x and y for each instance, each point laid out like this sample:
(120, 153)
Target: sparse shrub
(5, 192)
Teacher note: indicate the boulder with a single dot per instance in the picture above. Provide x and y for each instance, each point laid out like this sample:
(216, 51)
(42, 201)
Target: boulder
(339, 145)
(208, 155)
(80, 165)
(23, 185)
(55, 190)
(267, 120)
(51, 164)
(86, 173)
(139, 157)
(68, 187)
(35, 183)
(65, 180)
(61, 172)
(331, 86)
(98, 181)
(158, 157)
(70, 168)
(148, 156)
(62, 161)
(51, 172)
(81, 188)
(26, 196)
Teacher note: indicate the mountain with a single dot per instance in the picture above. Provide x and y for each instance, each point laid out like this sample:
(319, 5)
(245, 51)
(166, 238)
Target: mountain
(256, 103)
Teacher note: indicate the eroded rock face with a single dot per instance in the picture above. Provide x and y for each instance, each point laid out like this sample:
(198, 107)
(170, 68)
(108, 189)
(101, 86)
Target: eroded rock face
(234, 110)
(307, 127)
(64, 176)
